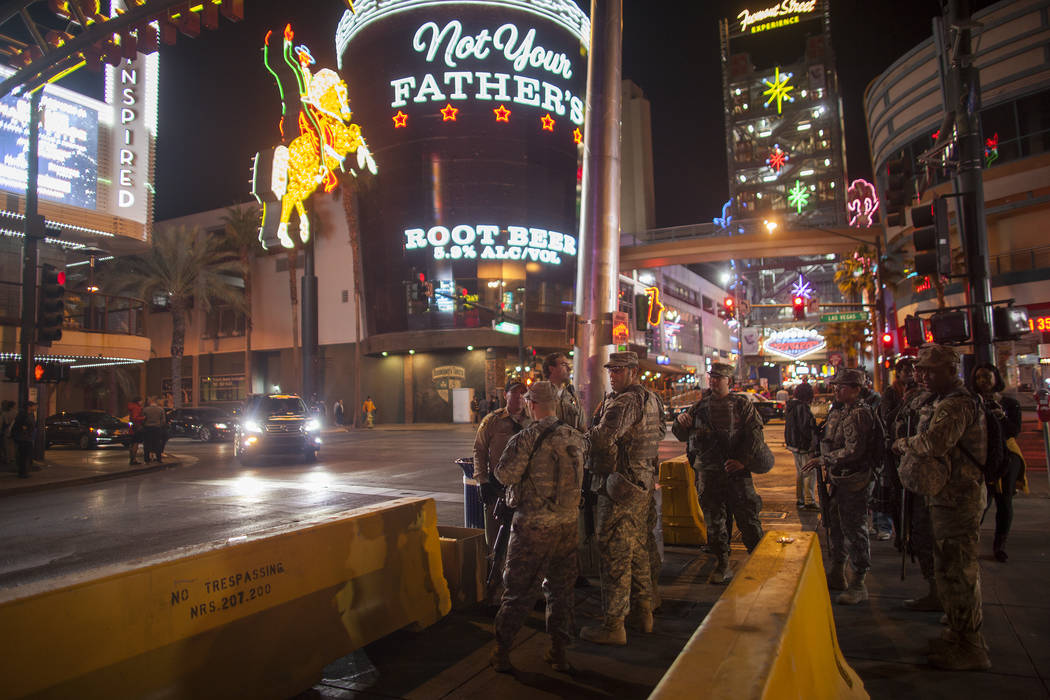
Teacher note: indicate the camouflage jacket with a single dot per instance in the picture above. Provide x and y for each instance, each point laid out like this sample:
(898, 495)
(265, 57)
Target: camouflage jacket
(626, 433)
(906, 419)
(493, 434)
(846, 444)
(708, 448)
(947, 424)
(569, 411)
(547, 487)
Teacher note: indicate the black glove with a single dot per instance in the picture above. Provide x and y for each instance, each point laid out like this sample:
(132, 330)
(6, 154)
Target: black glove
(490, 493)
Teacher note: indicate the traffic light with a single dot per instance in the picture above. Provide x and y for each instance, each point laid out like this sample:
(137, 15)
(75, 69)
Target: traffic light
(641, 312)
(950, 327)
(798, 307)
(897, 195)
(728, 309)
(52, 307)
(933, 243)
(914, 331)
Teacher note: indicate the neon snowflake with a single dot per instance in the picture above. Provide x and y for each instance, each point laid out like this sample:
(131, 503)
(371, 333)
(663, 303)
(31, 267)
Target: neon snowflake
(798, 196)
(779, 89)
(777, 158)
(991, 149)
(802, 288)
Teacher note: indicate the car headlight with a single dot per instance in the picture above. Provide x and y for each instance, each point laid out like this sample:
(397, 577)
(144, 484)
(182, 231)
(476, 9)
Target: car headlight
(313, 425)
(100, 431)
(251, 426)
(220, 426)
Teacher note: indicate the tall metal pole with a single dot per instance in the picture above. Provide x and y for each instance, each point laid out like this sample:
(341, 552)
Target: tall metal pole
(33, 232)
(309, 322)
(965, 92)
(599, 258)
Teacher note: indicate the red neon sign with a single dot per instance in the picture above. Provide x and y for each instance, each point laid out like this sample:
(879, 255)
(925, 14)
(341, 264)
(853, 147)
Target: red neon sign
(1039, 323)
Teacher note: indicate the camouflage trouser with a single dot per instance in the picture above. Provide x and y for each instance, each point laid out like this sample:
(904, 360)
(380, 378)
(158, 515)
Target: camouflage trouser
(651, 545)
(535, 551)
(956, 533)
(921, 536)
(848, 527)
(719, 492)
(626, 575)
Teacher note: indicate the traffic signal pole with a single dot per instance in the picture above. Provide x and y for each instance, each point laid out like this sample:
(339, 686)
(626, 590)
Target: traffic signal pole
(964, 91)
(29, 256)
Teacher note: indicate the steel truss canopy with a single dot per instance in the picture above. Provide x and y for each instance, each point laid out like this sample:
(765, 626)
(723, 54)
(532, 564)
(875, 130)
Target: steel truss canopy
(90, 38)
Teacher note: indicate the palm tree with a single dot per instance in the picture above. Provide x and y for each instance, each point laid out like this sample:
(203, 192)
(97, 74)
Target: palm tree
(353, 224)
(855, 278)
(242, 234)
(184, 266)
(844, 337)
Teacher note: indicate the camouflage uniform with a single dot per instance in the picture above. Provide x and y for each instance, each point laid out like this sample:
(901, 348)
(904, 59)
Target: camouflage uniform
(546, 494)
(719, 490)
(948, 423)
(625, 438)
(920, 535)
(493, 434)
(569, 411)
(845, 450)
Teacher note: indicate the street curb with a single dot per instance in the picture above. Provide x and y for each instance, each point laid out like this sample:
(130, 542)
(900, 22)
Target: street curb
(94, 478)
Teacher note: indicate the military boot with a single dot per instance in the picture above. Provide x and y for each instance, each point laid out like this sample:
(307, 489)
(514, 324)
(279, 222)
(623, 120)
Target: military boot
(555, 656)
(500, 659)
(967, 653)
(722, 573)
(948, 638)
(640, 619)
(837, 576)
(928, 603)
(856, 593)
(611, 631)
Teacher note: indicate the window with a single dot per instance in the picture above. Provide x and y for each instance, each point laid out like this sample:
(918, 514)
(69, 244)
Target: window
(224, 321)
(708, 304)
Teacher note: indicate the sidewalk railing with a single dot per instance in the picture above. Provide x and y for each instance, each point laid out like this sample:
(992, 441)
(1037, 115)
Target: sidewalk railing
(85, 311)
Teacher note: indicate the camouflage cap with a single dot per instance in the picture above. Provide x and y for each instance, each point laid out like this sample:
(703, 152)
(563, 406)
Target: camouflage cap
(514, 383)
(721, 369)
(622, 359)
(937, 356)
(542, 392)
(849, 376)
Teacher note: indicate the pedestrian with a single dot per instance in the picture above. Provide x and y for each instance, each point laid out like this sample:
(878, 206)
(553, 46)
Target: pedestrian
(542, 468)
(492, 437)
(23, 432)
(846, 451)
(986, 381)
(138, 433)
(724, 433)
(154, 422)
(800, 437)
(625, 439)
(783, 395)
(8, 412)
(369, 409)
(951, 443)
(557, 369)
(339, 413)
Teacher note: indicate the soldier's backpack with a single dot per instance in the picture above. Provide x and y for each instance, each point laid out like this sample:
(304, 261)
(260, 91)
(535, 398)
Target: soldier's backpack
(994, 467)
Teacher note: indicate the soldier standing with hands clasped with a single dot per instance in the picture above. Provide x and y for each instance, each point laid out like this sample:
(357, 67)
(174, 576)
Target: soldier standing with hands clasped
(724, 432)
(952, 438)
(845, 457)
(542, 468)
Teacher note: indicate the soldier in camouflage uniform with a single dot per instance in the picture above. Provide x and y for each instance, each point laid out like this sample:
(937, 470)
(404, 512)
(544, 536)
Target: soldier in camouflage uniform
(724, 432)
(542, 468)
(846, 450)
(557, 369)
(625, 440)
(952, 430)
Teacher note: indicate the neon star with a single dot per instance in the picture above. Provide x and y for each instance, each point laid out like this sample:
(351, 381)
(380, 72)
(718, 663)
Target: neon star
(448, 113)
(548, 122)
(777, 158)
(577, 137)
(502, 114)
(400, 120)
(779, 89)
(798, 196)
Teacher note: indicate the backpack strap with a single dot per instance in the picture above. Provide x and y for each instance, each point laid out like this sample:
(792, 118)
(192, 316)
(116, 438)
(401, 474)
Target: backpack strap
(547, 432)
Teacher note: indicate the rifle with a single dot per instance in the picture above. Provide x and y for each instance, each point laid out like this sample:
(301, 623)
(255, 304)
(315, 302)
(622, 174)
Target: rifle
(904, 534)
(588, 499)
(823, 487)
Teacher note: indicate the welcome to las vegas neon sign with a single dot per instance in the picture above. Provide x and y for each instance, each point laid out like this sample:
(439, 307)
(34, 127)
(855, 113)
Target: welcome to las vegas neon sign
(771, 17)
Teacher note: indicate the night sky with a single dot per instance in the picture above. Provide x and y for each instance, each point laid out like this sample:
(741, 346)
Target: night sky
(218, 106)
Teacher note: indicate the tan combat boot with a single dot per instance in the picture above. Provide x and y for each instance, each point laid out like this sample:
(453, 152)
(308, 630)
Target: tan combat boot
(837, 577)
(722, 573)
(928, 603)
(555, 656)
(966, 654)
(856, 593)
(640, 619)
(500, 659)
(611, 631)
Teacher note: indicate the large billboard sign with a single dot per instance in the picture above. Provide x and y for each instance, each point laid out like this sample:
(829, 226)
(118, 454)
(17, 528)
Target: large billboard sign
(477, 115)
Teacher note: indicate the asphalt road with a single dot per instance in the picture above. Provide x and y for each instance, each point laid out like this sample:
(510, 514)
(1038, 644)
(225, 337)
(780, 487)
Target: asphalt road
(78, 529)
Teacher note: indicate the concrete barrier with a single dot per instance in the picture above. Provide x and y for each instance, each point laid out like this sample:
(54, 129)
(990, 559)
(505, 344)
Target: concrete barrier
(682, 518)
(256, 618)
(770, 635)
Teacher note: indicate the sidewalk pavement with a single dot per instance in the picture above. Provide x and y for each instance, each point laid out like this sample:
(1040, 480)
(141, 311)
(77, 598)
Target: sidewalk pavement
(67, 466)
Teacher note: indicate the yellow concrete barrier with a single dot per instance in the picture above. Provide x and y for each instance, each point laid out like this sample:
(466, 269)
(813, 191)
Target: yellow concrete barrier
(257, 618)
(770, 635)
(682, 518)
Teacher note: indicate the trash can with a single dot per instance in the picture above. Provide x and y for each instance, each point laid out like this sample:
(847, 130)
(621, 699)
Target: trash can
(473, 508)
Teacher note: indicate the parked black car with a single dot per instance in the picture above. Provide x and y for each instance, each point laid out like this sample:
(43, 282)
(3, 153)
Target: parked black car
(276, 424)
(86, 429)
(767, 408)
(203, 423)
